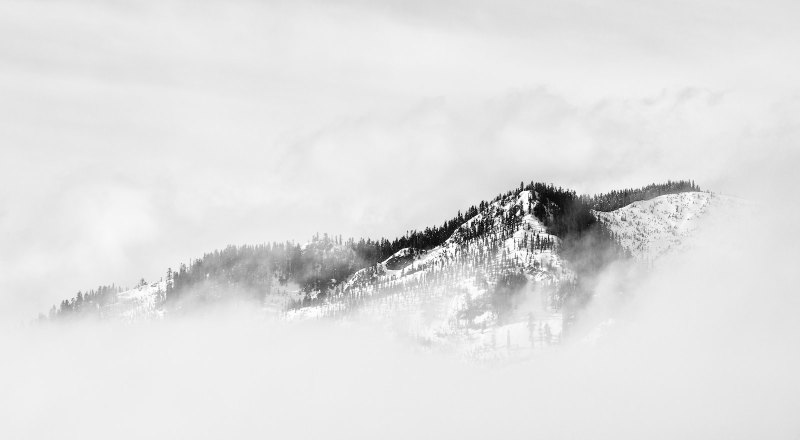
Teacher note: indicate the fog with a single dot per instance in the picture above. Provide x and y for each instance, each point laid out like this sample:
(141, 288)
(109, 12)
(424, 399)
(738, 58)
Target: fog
(704, 345)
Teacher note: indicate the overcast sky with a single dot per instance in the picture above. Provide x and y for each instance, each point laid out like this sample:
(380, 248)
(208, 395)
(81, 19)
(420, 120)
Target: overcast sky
(138, 134)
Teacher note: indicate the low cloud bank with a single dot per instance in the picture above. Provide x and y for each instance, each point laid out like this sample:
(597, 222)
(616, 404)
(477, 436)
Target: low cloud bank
(705, 346)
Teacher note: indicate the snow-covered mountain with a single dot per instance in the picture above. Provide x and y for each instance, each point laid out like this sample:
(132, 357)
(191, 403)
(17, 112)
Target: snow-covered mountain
(505, 282)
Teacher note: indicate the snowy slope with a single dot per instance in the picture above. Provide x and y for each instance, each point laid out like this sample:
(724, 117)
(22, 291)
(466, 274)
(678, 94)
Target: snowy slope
(432, 295)
(440, 296)
(138, 303)
(448, 296)
(653, 228)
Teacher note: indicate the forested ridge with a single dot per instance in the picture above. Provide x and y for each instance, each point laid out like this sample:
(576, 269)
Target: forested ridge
(619, 198)
(321, 265)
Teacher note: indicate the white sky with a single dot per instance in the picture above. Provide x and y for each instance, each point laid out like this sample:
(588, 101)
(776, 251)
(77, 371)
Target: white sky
(136, 135)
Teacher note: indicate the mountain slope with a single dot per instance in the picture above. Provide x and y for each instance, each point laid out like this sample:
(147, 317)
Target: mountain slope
(653, 228)
(507, 279)
(478, 293)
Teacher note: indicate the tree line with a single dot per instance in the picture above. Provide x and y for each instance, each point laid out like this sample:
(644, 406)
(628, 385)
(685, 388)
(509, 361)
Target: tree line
(617, 199)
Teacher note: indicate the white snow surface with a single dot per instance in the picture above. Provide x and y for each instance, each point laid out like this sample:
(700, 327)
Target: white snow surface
(138, 303)
(651, 229)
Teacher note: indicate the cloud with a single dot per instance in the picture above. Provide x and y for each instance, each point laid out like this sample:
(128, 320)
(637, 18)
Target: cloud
(60, 239)
(460, 146)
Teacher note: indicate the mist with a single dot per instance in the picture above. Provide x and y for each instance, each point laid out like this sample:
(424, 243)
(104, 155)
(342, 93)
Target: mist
(703, 345)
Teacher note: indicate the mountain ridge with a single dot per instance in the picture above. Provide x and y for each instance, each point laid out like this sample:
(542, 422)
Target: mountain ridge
(527, 232)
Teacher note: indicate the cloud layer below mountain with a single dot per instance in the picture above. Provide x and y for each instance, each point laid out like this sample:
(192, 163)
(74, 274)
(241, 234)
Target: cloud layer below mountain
(705, 347)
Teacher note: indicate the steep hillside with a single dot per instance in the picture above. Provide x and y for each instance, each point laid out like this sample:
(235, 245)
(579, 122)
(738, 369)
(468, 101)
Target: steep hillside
(653, 228)
(488, 294)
